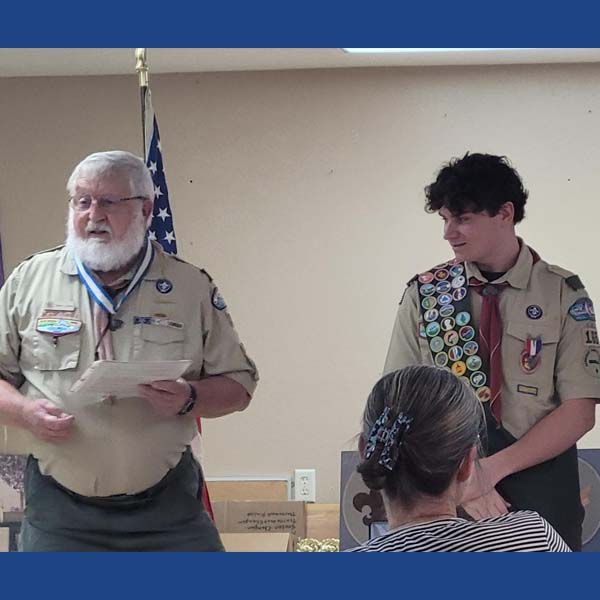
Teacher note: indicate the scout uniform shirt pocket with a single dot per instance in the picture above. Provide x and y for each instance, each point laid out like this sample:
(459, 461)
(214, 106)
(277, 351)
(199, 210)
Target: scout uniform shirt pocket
(56, 343)
(528, 359)
(157, 340)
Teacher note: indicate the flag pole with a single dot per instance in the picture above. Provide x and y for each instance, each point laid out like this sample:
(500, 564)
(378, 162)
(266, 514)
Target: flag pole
(142, 70)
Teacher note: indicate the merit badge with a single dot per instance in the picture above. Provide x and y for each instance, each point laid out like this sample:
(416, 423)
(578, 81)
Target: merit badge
(484, 394)
(590, 337)
(425, 277)
(443, 287)
(436, 344)
(217, 300)
(531, 355)
(478, 379)
(428, 303)
(473, 363)
(427, 289)
(466, 333)
(459, 368)
(446, 311)
(456, 270)
(441, 359)
(430, 315)
(57, 326)
(462, 318)
(164, 286)
(592, 362)
(451, 338)
(455, 353)
(471, 348)
(444, 299)
(447, 323)
(459, 294)
(534, 311)
(432, 329)
(441, 274)
(582, 310)
(458, 282)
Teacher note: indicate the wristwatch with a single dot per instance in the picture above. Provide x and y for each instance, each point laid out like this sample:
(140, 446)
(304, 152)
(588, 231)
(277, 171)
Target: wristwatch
(190, 402)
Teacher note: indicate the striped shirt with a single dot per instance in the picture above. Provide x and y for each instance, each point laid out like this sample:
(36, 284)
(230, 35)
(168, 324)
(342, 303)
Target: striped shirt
(521, 531)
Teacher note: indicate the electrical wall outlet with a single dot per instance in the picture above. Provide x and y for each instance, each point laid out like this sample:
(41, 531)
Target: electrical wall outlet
(305, 485)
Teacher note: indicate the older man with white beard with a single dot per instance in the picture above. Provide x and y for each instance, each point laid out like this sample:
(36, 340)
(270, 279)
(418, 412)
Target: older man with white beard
(117, 474)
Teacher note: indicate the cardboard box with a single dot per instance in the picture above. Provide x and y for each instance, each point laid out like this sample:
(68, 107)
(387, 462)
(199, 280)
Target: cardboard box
(222, 490)
(322, 521)
(245, 516)
(258, 542)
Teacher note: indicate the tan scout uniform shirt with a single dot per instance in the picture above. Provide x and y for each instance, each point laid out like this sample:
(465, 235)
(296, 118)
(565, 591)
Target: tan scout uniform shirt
(568, 367)
(117, 446)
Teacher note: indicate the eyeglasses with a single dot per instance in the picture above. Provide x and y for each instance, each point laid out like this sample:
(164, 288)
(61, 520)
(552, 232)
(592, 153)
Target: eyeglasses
(106, 203)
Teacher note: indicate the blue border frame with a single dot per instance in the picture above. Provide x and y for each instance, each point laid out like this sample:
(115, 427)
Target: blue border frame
(310, 23)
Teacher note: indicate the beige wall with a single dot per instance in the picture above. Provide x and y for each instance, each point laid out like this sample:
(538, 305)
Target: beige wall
(301, 192)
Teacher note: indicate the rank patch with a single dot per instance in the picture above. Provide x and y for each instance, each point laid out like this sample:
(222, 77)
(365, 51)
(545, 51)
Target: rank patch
(582, 310)
(164, 286)
(534, 311)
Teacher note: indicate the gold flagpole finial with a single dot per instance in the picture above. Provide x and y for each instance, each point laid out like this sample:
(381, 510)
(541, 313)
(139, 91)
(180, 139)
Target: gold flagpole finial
(141, 67)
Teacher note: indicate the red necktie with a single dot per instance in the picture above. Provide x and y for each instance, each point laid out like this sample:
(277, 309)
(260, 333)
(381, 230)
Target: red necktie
(490, 336)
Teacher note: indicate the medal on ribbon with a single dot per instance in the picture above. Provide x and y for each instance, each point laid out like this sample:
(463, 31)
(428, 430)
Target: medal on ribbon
(531, 355)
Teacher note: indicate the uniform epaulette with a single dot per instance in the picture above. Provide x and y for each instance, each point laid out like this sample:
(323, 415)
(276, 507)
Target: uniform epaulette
(44, 252)
(179, 259)
(570, 278)
(207, 274)
(411, 280)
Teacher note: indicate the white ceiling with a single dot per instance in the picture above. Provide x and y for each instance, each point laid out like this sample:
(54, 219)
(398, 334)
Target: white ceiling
(20, 62)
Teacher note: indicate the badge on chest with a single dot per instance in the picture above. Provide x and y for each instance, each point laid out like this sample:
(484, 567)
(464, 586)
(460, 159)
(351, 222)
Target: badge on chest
(532, 354)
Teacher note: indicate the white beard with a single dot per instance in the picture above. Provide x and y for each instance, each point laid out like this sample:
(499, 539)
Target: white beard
(106, 256)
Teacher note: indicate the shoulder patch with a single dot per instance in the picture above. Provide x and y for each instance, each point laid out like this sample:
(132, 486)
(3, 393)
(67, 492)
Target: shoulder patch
(582, 310)
(217, 300)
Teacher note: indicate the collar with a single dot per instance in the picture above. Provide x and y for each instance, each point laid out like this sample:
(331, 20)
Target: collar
(517, 276)
(67, 264)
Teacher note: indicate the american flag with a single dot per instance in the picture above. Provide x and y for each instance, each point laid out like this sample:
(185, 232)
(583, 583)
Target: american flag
(161, 227)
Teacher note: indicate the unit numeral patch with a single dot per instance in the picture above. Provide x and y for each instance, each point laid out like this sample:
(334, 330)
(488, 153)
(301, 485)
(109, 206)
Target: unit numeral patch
(591, 337)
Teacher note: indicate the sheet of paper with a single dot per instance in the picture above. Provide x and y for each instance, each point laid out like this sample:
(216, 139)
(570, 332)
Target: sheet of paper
(113, 378)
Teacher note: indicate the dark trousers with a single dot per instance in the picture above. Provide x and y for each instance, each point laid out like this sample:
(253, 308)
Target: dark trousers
(169, 516)
(550, 488)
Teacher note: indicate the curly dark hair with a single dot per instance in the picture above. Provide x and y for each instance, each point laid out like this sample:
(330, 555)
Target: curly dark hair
(477, 183)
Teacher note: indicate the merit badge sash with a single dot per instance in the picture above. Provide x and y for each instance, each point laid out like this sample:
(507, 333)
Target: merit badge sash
(445, 307)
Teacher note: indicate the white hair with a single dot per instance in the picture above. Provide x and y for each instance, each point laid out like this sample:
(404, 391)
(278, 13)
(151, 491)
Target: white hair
(100, 163)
